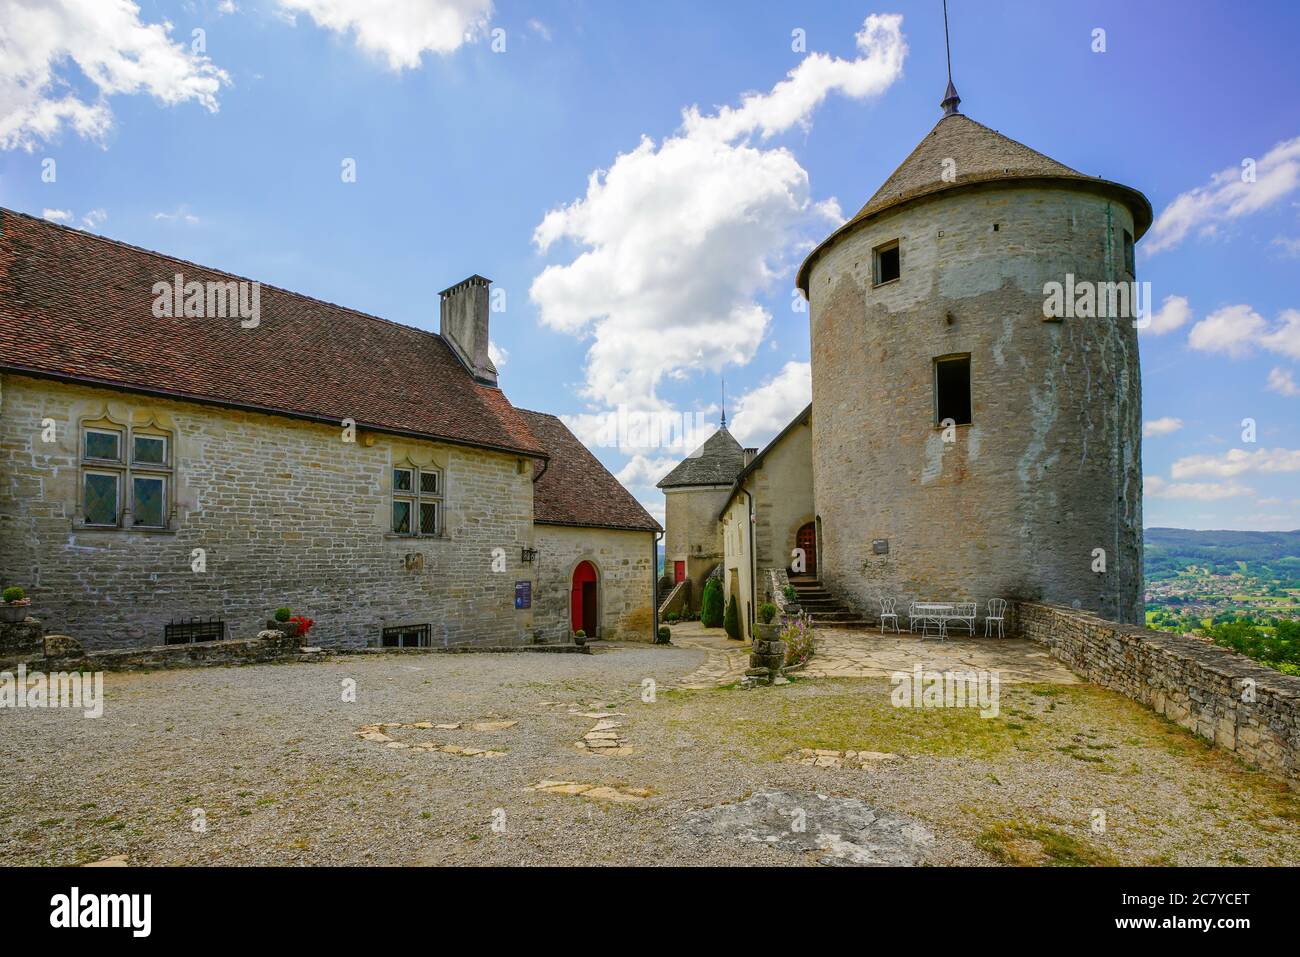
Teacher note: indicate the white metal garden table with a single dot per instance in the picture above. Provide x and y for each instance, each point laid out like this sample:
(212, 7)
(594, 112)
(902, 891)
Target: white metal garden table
(935, 613)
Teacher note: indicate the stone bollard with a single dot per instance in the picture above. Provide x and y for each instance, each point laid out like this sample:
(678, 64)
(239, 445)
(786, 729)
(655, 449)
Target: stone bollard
(767, 658)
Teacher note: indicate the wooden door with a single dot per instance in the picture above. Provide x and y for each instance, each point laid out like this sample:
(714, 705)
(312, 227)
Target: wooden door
(807, 540)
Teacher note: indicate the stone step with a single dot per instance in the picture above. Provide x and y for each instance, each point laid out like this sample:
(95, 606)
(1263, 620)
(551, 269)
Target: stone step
(846, 623)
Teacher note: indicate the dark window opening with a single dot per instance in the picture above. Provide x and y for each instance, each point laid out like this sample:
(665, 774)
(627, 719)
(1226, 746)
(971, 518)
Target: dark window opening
(1128, 253)
(888, 264)
(406, 636)
(188, 632)
(952, 390)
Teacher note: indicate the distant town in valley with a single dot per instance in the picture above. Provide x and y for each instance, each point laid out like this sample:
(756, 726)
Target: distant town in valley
(1240, 589)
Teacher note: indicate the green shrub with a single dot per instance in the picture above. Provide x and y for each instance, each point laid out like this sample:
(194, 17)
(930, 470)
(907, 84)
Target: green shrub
(664, 635)
(731, 620)
(766, 612)
(672, 617)
(579, 634)
(282, 614)
(790, 594)
(711, 604)
(13, 593)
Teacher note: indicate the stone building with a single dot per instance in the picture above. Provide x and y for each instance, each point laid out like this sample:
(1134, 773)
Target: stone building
(767, 515)
(694, 492)
(968, 439)
(162, 465)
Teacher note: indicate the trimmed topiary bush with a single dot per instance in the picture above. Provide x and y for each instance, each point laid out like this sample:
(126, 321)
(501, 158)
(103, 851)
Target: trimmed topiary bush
(282, 614)
(766, 612)
(14, 593)
(711, 610)
(731, 620)
(665, 636)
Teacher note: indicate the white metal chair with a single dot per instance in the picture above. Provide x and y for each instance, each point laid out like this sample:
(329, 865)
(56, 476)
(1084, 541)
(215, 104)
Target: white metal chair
(964, 614)
(888, 611)
(997, 613)
(912, 618)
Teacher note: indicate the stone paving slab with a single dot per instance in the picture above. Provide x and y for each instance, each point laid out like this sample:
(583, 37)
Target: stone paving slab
(865, 653)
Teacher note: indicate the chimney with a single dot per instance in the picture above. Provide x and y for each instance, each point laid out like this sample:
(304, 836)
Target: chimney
(750, 455)
(464, 325)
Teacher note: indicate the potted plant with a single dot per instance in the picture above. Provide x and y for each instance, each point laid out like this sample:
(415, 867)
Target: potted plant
(16, 603)
(665, 636)
(579, 637)
(283, 621)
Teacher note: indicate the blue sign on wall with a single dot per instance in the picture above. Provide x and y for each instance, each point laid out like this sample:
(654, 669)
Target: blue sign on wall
(523, 594)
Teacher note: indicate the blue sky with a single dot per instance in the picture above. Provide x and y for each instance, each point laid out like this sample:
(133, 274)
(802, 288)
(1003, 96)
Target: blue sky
(675, 266)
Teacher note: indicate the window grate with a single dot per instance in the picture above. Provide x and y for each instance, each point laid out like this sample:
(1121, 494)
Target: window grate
(191, 630)
(406, 636)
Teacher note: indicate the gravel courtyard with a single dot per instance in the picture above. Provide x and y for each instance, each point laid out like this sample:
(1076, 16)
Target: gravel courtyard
(269, 761)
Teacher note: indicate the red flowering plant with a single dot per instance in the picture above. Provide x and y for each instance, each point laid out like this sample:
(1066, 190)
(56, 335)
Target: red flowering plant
(304, 624)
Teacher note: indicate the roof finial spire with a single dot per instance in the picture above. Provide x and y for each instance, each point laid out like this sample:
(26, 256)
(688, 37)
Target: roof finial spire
(950, 98)
(724, 402)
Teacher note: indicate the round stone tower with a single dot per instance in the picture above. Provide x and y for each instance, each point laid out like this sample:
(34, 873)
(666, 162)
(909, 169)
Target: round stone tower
(967, 445)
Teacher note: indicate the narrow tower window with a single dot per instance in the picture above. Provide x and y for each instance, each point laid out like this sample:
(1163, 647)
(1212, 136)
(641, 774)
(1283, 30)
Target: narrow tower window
(1128, 253)
(952, 389)
(886, 263)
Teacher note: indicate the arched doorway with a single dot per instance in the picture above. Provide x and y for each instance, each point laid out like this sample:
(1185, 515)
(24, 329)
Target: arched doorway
(806, 538)
(584, 606)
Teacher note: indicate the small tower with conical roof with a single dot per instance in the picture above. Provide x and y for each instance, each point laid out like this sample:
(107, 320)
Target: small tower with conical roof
(966, 445)
(694, 492)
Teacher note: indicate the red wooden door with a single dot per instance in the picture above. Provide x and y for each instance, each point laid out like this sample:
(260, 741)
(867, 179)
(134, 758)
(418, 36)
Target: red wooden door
(582, 599)
(679, 572)
(807, 540)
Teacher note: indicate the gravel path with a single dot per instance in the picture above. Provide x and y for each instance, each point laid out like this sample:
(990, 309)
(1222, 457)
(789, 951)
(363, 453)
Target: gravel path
(269, 757)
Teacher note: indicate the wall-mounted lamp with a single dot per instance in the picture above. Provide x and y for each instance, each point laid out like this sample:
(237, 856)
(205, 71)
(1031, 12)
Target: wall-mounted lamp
(528, 555)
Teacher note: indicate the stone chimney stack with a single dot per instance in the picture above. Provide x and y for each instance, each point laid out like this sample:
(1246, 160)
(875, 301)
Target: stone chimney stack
(464, 325)
(750, 455)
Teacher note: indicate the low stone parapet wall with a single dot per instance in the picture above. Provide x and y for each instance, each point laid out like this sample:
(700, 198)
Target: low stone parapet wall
(21, 639)
(1223, 696)
(241, 651)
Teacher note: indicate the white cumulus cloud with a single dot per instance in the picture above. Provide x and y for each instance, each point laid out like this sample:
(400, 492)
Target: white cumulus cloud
(1237, 462)
(1227, 196)
(1163, 426)
(113, 53)
(1153, 486)
(675, 240)
(1173, 313)
(400, 31)
(1283, 382)
(763, 412)
(1239, 330)
(645, 470)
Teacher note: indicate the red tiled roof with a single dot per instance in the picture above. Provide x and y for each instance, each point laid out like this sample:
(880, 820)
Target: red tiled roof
(575, 489)
(78, 306)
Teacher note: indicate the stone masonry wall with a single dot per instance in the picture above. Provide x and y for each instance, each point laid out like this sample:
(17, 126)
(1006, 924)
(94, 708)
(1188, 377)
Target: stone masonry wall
(783, 498)
(286, 513)
(625, 580)
(693, 533)
(1223, 696)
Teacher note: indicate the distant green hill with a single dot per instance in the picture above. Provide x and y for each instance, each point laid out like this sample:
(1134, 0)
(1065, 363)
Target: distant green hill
(1268, 554)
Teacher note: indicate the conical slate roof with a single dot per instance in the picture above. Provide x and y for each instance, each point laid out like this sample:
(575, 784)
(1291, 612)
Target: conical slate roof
(978, 155)
(717, 462)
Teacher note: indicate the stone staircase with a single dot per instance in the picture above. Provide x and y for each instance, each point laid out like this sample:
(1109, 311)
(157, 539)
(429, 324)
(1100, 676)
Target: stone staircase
(827, 611)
